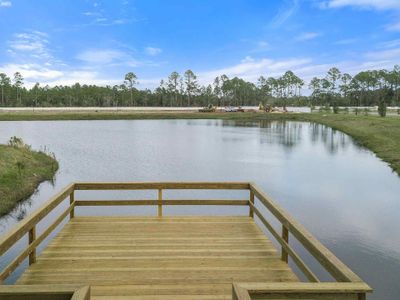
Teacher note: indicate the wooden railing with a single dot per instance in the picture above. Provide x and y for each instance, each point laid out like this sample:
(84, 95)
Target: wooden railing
(44, 292)
(300, 290)
(160, 187)
(28, 225)
(290, 228)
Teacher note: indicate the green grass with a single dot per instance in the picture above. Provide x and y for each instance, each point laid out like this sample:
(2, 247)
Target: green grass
(381, 135)
(21, 171)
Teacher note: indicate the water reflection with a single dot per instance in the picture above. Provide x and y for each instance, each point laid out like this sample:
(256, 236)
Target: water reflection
(290, 133)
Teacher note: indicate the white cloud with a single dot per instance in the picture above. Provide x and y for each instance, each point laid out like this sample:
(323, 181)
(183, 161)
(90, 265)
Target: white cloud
(33, 44)
(306, 36)
(370, 4)
(107, 57)
(152, 51)
(32, 72)
(250, 69)
(5, 4)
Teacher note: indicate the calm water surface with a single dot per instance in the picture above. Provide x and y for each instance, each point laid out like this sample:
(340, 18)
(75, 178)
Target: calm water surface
(341, 192)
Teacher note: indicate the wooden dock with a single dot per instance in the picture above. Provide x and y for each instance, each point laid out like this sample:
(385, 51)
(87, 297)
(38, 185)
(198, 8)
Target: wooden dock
(171, 257)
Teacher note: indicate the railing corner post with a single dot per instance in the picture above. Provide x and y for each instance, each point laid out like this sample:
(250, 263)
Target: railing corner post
(71, 202)
(285, 237)
(32, 238)
(160, 202)
(251, 212)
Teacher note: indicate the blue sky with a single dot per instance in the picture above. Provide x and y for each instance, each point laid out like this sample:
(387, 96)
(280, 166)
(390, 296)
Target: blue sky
(97, 42)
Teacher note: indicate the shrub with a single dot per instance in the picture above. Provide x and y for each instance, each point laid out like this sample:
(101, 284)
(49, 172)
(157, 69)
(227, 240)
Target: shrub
(382, 108)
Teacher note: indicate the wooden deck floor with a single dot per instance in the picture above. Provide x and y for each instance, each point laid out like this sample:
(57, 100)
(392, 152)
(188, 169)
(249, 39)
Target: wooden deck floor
(159, 258)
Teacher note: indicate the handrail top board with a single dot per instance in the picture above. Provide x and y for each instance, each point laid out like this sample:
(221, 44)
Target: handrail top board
(305, 287)
(161, 185)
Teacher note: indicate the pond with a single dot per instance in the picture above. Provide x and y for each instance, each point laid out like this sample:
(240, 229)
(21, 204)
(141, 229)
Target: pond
(346, 196)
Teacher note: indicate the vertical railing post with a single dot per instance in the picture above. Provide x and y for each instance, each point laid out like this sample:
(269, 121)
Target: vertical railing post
(32, 237)
(285, 237)
(160, 202)
(71, 200)
(251, 212)
(362, 296)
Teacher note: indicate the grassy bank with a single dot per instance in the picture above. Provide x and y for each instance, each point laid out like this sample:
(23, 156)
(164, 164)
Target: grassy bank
(21, 171)
(381, 135)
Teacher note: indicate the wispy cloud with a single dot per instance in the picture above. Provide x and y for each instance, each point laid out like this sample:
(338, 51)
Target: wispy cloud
(385, 55)
(306, 36)
(5, 4)
(390, 44)
(250, 68)
(30, 45)
(393, 27)
(32, 72)
(107, 57)
(365, 4)
(152, 51)
(285, 13)
(346, 41)
(98, 16)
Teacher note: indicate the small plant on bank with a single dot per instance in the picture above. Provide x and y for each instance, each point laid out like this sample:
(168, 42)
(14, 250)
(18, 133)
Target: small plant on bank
(18, 143)
(382, 108)
(335, 108)
(15, 142)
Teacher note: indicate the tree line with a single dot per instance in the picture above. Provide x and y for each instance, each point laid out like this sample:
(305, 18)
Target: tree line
(367, 88)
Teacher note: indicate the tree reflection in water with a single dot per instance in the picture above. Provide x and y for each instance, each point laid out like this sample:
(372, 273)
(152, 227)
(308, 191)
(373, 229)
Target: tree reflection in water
(290, 133)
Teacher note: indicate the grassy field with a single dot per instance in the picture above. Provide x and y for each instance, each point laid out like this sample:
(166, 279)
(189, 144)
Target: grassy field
(21, 171)
(381, 135)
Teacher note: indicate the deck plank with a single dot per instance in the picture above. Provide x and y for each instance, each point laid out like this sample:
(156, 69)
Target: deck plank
(159, 258)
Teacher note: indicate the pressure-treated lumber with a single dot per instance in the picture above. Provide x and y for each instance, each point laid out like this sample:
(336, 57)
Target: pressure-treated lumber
(325, 257)
(180, 257)
(161, 185)
(44, 292)
(25, 225)
(300, 290)
(162, 202)
(196, 257)
(32, 246)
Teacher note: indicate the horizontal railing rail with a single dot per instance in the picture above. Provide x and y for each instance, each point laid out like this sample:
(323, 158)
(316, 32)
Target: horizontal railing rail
(162, 185)
(301, 290)
(44, 292)
(290, 227)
